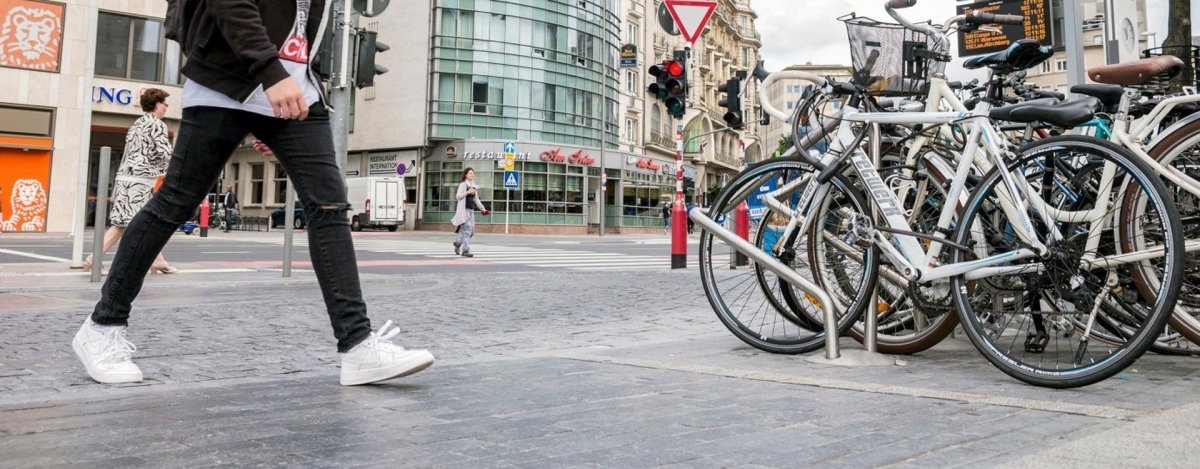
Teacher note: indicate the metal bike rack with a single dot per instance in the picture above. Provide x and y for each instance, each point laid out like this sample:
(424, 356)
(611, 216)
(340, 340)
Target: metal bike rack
(832, 354)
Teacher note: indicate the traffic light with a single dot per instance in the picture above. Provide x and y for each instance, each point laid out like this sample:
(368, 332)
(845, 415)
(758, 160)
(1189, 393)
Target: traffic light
(658, 89)
(368, 46)
(732, 102)
(676, 84)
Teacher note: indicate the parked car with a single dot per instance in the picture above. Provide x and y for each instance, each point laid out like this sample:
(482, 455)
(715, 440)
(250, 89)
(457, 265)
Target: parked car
(299, 223)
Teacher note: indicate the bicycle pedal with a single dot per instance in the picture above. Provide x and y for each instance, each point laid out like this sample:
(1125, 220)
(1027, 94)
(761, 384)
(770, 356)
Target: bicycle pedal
(1036, 343)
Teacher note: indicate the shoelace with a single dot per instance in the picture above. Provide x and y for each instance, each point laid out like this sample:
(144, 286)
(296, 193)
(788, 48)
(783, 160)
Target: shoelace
(383, 334)
(117, 348)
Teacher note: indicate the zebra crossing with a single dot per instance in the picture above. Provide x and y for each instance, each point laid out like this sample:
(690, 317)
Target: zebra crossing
(518, 256)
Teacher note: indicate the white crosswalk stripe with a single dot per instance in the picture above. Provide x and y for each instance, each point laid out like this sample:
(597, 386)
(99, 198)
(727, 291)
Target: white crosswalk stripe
(513, 255)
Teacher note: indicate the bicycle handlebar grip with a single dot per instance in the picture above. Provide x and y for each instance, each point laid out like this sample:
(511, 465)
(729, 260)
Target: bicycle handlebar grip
(898, 4)
(1009, 19)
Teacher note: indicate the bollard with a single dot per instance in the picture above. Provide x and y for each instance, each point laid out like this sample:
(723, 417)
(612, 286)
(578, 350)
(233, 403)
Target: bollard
(743, 230)
(204, 213)
(101, 215)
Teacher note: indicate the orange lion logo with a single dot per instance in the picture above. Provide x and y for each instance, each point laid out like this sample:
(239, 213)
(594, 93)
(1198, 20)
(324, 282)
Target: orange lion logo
(31, 38)
(28, 206)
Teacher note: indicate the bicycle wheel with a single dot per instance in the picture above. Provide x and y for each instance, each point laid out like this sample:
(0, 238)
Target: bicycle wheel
(1179, 150)
(746, 299)
(1041, 320)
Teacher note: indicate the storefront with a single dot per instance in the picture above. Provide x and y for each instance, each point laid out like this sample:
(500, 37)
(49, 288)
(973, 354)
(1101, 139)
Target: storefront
(26, 142)
(561, 189)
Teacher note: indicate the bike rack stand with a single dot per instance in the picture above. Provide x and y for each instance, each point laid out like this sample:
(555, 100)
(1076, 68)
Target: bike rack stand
(833, 356)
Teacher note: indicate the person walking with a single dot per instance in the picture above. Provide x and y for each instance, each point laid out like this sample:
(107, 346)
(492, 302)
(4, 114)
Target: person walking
(464, 214)
(666, 214)
(252, 76)
(147, 152)
(230, 202)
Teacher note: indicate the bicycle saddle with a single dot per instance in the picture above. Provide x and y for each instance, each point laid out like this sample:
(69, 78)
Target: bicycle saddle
(1005, 113)
(1065, 115)
(1137, 72)
(1109, 95)
(1021, 55)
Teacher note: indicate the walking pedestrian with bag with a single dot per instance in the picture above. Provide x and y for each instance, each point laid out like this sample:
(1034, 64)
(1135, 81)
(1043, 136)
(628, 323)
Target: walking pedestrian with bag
(464, 214)
(147, 152)
(252, 76)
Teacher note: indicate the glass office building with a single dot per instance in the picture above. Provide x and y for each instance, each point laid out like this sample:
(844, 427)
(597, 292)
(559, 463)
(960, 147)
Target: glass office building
(543, 75)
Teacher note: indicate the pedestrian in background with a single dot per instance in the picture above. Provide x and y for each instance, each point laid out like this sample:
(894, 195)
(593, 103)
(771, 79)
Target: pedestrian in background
(147, 152)
(252, 77)
(464, 214)
(230, 202)
(666, 214)
(687, 213)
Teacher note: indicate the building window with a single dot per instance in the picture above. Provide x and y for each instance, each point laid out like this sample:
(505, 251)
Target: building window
(1045, 67)
(630, 81)
(479, 95)
(130, 48)
(631, 131)
(1060, 65)
(632, 37)
(256, 183)
(790, 105)
(281, 184)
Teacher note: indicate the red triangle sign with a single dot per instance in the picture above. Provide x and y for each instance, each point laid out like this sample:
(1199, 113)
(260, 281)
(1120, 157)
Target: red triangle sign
(691, 16)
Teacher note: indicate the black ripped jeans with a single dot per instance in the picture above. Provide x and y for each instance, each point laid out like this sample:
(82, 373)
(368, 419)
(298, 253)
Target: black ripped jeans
(207, 138)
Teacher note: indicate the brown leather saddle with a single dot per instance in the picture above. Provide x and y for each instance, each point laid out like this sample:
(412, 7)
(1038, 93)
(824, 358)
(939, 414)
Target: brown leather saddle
(1138, 72)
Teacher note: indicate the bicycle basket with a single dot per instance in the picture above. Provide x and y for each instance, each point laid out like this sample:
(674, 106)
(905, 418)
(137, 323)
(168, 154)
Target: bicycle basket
(891, 60)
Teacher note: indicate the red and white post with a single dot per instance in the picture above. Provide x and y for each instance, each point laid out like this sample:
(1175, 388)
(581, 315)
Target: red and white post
(742, 216)
(679, 212)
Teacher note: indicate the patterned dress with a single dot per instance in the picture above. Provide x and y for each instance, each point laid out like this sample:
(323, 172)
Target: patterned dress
(147, 152)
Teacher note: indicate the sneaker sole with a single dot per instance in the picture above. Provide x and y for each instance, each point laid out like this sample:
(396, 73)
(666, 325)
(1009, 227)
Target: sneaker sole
(118, 379)
(413, 365)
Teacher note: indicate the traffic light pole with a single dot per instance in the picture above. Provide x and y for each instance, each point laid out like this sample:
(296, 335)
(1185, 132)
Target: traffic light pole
(339, 92)
(679, 212)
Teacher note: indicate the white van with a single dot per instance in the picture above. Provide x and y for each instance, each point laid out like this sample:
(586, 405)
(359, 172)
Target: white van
(377, 201)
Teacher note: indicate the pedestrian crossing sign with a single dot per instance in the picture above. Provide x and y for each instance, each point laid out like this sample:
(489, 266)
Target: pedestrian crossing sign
(512, 179)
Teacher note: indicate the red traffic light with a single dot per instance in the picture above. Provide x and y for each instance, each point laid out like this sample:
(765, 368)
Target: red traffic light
(675, 69)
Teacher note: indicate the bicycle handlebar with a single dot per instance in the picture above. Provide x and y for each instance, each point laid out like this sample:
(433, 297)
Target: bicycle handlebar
(978, 18)
(898, 4)
(765, 100)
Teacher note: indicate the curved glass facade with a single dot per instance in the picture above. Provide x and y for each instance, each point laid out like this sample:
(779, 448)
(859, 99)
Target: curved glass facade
(528, 70)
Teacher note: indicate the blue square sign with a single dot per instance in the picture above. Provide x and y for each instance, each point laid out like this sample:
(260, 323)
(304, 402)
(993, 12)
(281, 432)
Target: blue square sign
(512, 180)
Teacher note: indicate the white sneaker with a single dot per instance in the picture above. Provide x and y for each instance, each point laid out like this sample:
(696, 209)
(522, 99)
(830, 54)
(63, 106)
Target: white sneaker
(376, 359)
(105, 353)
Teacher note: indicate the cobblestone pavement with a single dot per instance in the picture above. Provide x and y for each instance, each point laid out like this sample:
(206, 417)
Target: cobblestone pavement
(538, 369)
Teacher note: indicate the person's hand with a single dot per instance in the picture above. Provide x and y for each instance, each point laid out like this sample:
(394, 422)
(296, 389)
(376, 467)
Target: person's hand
(486, 212)
(287, 100)
(261, 147)
(471, 190)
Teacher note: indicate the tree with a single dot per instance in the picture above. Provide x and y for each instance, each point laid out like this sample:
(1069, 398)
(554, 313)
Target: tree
(1179, 40)
(784, 143)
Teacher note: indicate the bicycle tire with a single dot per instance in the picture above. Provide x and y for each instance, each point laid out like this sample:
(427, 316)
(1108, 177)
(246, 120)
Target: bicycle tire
(1062, 290)
(1179, 148)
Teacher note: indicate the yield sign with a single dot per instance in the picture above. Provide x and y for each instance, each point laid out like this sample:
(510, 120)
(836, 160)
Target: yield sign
(691, 16)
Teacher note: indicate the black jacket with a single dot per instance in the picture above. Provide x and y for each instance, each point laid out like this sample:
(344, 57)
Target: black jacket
(229, 199)
(232, 46)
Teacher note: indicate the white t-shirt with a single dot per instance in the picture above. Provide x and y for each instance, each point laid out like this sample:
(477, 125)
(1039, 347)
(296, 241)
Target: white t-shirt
(293, 55)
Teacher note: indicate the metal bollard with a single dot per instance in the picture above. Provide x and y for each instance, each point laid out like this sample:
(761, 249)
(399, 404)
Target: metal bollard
(101, 213)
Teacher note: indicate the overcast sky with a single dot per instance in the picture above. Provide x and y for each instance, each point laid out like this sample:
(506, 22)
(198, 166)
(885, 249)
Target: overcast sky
(800, 31)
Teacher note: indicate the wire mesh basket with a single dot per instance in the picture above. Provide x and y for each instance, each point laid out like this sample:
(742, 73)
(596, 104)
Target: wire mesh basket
(891, 60)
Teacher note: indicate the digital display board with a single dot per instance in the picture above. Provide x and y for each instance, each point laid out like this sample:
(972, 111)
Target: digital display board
(1037, 18)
